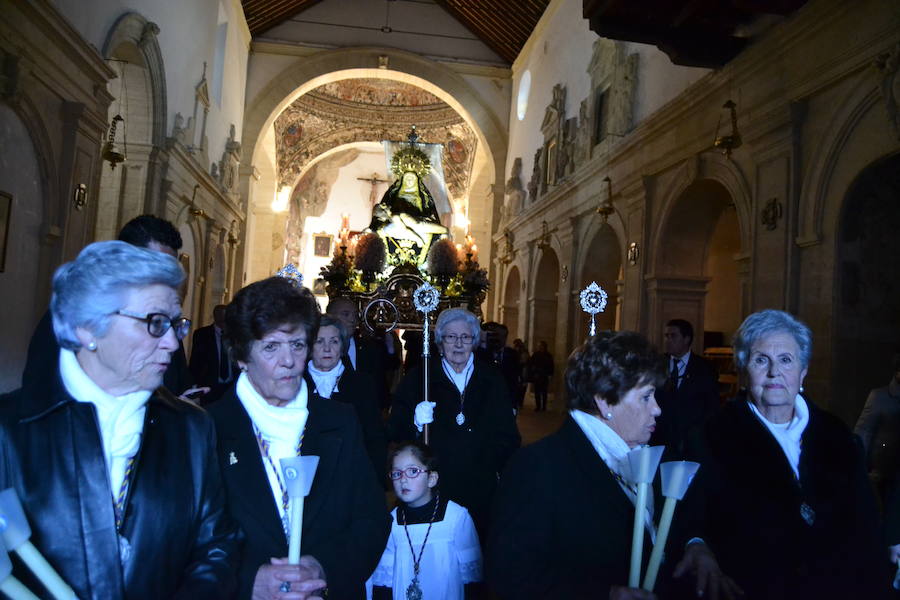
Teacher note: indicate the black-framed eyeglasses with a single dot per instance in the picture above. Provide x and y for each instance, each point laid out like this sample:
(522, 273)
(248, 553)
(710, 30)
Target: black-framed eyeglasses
(465, 338)
(410, 472)
(159, 323)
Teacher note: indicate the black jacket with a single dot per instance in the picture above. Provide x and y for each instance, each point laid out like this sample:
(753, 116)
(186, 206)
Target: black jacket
(562, 525)
(686, 407)
(345, 520)
(360, 390)
(183, 543)
(745, 502)
(470, 457)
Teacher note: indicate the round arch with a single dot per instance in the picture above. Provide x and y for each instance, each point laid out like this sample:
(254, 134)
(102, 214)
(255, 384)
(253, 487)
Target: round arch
(715, 167)
(309, 72)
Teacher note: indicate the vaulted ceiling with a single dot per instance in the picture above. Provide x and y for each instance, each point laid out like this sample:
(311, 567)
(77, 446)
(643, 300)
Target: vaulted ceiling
(503, 25)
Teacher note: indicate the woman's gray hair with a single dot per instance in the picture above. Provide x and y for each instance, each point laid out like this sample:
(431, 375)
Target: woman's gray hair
(457, 314)
(88, 290)
(329, 321)
(764, 323)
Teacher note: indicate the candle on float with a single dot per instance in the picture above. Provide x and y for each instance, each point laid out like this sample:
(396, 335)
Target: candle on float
(643, 462)
(676, 477)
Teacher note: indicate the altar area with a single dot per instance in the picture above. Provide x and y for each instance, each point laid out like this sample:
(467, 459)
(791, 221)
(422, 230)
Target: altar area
(405, 246)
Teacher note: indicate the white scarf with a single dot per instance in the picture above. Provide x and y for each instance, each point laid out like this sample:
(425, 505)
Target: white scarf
(326, 381)
(788, 435)
(460, 380)
(279, 426)
(121, 418)
(614, 452)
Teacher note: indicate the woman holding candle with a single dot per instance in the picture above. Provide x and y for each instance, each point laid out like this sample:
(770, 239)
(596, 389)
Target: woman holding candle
(564, 511)
(473, 429)
(781, 499)
(330, 375)
(270, 415)
(118, 478)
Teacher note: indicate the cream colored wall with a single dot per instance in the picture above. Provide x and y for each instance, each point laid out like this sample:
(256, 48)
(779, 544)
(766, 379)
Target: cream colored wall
(187, 40)
(559, 52)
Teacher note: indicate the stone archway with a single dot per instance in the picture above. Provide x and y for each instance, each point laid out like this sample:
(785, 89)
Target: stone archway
(545, 300)
(695, 273)
(867, 292)
(139, 93)
(309, 72)
(509, 309)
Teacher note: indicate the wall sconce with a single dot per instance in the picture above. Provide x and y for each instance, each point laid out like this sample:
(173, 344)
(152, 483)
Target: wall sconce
(728, 143)
(544, 240)
(606, 207)
(111, 152)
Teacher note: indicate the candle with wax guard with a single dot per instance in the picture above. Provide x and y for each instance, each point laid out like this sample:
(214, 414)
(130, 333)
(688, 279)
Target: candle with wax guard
(15, 532)
(9, 585)
(299, 472)
(644, 462)
(676, 477)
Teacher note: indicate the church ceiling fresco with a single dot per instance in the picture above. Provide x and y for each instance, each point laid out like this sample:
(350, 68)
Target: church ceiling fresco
(371, 110)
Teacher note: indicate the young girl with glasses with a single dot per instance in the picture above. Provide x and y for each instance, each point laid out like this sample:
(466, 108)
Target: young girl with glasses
(433, 551)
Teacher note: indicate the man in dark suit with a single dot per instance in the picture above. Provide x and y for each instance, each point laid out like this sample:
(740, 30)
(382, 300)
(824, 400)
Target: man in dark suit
(504, 358)
(690, 396)
(145, 231)
(210, 363)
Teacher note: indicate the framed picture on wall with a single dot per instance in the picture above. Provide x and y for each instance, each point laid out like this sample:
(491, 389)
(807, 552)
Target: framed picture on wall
(5, 218)
(322, 244)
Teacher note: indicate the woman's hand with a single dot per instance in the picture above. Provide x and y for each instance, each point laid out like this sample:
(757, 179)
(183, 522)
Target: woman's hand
(282, 581)
(620, 592)
(699, 560)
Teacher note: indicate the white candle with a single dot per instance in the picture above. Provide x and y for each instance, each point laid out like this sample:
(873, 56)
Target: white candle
(44, 572)
(661, 535)
(637, 536)
(14, 589)
(296, 530)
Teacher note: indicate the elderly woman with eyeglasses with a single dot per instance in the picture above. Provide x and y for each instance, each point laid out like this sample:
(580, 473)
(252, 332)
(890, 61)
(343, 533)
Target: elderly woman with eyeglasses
(472, 427)
(118, 478)
(271, 414)
(781, 502)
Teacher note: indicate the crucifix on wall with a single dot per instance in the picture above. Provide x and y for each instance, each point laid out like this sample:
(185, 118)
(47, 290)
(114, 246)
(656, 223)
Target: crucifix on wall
(373, 181)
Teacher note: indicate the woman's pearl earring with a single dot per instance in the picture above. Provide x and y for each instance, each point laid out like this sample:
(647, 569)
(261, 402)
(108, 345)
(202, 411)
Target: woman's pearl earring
(92, 346)
(609, 416)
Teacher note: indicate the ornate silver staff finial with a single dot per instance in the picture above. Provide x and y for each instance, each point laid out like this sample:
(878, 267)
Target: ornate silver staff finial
(289, 271)
(593, 301)
(426, 299)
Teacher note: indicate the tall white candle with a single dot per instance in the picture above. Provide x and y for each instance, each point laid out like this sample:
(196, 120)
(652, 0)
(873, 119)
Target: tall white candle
(296, 530)
(44, 572)
(15, 590)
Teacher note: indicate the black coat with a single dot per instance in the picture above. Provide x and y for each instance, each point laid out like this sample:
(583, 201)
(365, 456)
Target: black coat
(183, 543)
(345, 520)
(360, 390)
(470, 456)
(686, 407)
(562, 524)
(746, 504)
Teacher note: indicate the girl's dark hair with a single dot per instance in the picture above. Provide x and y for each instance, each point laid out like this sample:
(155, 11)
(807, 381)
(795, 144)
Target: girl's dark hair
(423, 454)
(609, 365)
(264, 306)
